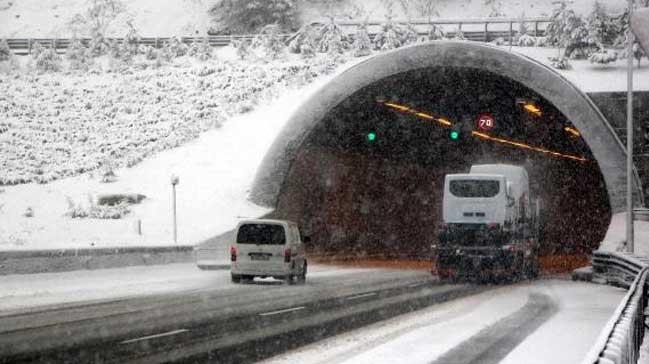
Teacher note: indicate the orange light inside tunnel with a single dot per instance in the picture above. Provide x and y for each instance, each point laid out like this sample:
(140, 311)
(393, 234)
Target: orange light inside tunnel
(531, 108)
(420, 114)
(526, 146)
(484, 136)
(572, 131)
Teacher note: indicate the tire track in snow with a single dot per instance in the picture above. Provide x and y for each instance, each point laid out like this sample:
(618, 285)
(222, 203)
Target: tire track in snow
(493, 343)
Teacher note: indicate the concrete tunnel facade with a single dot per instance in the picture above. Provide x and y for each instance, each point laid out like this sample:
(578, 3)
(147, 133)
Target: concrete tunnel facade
(608, 151)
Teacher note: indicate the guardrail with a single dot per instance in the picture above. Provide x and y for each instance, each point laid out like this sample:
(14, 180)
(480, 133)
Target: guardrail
(480, 31)
(621, 338)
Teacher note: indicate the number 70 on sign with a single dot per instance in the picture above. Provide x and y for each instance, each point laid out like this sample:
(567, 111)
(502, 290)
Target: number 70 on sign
(486, 122)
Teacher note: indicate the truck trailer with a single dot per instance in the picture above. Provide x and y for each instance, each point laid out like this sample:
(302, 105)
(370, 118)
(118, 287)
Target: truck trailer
(490, 226)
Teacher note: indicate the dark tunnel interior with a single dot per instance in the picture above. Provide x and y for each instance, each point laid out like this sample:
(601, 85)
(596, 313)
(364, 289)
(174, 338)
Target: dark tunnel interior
(368, 179)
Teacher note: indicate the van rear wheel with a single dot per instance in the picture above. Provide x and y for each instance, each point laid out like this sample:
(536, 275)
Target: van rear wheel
(235, 278)
(301, 279)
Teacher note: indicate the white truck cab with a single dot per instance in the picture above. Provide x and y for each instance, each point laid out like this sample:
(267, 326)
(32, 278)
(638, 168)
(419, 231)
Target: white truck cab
(268, 248)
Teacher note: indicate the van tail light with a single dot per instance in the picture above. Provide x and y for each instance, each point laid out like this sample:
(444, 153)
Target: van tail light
(493, 225)
(233, 253)
(287, 255)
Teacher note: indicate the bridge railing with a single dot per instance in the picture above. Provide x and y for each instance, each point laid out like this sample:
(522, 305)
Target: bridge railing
(480, 30)
(621, 338)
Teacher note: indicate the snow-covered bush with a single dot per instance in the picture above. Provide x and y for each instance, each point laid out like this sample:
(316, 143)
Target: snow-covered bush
(499, 41)
(200, 49)
(150, 53)
(78, 55)
(637, 54)
(5, 52)
(48, 60)
(29, 212)
(526, 41)
(603, 56)
(251, 16)
(269, 41)
(94, 211)
(332, 38)
(99, 45)
(362, 45)
(409, 34)
(560, 63)
(175, 48)
(114, 49)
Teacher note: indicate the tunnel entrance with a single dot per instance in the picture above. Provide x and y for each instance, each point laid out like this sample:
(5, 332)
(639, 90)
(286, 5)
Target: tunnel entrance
(368, 179)
(360, 164)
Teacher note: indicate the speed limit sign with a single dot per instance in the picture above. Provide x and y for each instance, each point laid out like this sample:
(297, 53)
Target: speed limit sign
(486, 122)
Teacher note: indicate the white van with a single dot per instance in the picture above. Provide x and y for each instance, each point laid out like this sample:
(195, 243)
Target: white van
(268, 248)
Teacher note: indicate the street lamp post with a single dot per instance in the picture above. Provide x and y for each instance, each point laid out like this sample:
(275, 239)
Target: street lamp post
(174, 181)
(629, 136)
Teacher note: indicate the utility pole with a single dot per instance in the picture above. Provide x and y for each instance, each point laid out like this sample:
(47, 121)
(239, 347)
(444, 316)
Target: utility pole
(174, 181)
(629, 137)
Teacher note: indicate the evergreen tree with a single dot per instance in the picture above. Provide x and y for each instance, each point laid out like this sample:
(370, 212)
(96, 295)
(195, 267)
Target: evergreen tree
(270, 41)
(388, 37)
(601, 27)
(409, 34)
(436, 32)
(332, 38)
(304, 42)
(362, 44)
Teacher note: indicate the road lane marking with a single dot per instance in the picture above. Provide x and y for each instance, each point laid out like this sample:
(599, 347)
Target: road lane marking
(417, 284)
(361, 296)
(170, 333)
(282, 311)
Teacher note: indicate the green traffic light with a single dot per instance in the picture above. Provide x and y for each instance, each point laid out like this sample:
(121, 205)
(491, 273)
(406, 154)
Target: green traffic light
(455, 135)
(371, 136)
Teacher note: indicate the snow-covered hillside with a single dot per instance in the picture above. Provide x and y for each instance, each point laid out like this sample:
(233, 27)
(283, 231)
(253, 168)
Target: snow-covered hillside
(162, 18)
(215, 172)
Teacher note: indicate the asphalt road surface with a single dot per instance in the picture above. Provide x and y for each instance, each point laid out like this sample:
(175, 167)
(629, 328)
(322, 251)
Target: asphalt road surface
(252, 322)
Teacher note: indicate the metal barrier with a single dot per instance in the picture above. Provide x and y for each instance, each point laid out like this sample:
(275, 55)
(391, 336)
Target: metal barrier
(480, 32)
(621, 338)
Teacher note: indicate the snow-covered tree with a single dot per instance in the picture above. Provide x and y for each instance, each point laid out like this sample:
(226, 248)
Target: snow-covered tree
(99, 45)
(251, 16)
(459, 34)
(269, 40)
(304, 42)
(175, 47)
(388, 37)
(242, 47)
(601, 26)
(568, 31)
(131, 43)
(114, 48)
(496, 8)
(48, 60)
(5, 52)
(436, 32)
(332, 38)
(204, 50)
(37, 49)
(362, 45)
(78, 55)
(409, 34)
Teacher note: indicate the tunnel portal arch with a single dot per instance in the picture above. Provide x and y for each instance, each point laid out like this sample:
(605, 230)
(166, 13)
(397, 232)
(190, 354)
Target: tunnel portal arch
(567, 98)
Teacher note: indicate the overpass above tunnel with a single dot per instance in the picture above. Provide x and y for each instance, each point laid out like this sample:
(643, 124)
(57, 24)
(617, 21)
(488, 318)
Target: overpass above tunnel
(357, 173)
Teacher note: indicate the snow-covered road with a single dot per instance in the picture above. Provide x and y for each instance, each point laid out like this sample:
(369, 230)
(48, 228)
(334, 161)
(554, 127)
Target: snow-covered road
(577, 312)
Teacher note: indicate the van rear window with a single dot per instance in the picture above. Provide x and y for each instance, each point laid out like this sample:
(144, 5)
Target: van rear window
(474, 188)
(261, 234)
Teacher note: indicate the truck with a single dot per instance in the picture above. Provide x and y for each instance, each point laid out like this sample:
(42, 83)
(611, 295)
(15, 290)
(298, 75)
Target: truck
(490, 228)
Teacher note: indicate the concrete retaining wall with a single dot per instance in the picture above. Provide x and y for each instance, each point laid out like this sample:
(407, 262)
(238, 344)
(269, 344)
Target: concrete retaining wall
(41, 261)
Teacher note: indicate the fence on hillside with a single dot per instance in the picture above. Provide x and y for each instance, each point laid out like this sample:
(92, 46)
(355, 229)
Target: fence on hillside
(480, 30)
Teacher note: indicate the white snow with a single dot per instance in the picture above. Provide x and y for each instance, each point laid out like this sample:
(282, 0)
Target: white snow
(590, 77)
(215, 171)
(616, 235)
(424, 335)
